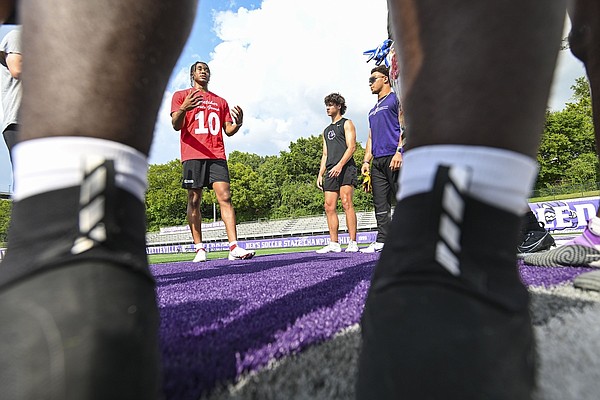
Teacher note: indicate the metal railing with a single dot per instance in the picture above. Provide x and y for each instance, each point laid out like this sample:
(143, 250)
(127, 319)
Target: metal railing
(583, 189)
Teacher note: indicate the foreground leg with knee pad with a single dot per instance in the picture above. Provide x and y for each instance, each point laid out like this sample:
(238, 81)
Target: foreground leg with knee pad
(447, 314)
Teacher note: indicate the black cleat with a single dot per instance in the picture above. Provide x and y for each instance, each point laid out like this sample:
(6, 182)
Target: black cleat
(536, 241)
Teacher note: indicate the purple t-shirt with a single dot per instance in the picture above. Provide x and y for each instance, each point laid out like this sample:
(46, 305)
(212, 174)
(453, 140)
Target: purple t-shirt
(385, 128)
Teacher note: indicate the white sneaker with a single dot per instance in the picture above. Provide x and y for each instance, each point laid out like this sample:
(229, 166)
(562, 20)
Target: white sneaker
(374, 247)
(332, 247)
(239, 253)
(200, 256)
(352, 247)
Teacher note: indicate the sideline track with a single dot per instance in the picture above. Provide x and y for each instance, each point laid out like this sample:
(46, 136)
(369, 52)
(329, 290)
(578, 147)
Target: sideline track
(285, 327)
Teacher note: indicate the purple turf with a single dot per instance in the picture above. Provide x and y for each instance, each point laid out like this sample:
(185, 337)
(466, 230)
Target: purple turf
(222, 318)
(532, 275)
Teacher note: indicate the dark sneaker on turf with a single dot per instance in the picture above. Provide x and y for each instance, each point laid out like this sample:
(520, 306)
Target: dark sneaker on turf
(579, 252)
(446, 313)
(534, 236)
(536, 241)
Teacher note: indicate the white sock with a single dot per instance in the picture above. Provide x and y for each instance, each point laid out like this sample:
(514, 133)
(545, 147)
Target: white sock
(501, 178)
(198, 246)
(234, 243)
(47, 164)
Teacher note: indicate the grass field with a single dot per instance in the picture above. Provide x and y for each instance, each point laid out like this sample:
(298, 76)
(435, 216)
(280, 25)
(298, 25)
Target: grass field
(168, 258)
(569, 196)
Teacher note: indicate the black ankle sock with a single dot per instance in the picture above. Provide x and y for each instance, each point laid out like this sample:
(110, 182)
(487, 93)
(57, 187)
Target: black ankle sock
(78, 314)
(447, 315)
(486, 258)
(95, 221)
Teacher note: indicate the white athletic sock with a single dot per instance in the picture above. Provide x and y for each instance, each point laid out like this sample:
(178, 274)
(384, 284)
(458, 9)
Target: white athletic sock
(47, 164)
(198, 246)
(501, 178)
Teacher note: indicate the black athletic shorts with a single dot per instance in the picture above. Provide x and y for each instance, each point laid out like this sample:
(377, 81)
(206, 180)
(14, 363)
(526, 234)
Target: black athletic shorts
(198, 174)
(348, 176)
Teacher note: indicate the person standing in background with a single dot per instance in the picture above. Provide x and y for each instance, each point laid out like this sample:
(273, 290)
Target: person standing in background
(384, 149)
(11, 62)
(202, 117)
(337, 174)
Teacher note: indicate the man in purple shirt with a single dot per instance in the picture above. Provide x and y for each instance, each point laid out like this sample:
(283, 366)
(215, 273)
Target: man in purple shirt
(384, 148)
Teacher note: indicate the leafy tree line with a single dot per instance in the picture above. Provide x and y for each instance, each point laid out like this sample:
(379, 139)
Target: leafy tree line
(284, 185)
(5, 208)
(567, 154)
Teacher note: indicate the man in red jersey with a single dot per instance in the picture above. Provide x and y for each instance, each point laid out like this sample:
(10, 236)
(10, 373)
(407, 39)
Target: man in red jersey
(202, 117)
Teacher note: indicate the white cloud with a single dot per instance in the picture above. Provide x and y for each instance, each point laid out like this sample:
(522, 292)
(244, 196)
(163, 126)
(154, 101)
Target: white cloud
(279, 61)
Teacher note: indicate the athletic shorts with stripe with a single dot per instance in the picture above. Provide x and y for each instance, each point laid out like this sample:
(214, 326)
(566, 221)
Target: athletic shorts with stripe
(199, 174)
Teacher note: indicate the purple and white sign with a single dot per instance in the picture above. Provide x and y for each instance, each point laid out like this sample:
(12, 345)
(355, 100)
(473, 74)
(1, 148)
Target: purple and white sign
(565, 216)
(303, 241)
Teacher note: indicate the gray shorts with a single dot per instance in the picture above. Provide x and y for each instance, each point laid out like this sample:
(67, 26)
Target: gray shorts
(198, 174)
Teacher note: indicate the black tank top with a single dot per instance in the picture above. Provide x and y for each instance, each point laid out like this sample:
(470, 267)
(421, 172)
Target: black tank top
(335, 140)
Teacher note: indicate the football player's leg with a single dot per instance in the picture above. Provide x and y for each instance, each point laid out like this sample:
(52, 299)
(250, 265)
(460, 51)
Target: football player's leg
(77, 304)
(446, 311)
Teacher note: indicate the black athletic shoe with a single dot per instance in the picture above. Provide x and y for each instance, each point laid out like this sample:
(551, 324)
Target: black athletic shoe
(535, 241)
(447, 315)
(534, 236)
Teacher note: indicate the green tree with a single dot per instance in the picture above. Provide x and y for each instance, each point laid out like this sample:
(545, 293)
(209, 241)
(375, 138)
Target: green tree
(583, 169)
(303, 160)
(567, 153)
(5, 209)
(249, 198)
(166, 201)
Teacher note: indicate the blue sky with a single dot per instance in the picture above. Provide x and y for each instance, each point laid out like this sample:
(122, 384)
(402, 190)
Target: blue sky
(278, 59)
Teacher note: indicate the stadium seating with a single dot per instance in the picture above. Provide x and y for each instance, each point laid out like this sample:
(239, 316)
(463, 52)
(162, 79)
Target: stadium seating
(302, 226)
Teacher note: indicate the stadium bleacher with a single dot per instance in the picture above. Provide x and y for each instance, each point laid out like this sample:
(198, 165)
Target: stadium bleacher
(302, 226)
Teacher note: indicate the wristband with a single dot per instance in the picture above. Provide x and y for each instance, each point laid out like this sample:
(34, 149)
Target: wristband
(365, 162)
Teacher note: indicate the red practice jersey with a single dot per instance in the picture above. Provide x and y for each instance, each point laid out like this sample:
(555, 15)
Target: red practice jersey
(202, 129)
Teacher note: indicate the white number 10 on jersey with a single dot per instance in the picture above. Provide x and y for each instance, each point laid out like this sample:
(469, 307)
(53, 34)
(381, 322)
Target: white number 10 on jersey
(213, 120)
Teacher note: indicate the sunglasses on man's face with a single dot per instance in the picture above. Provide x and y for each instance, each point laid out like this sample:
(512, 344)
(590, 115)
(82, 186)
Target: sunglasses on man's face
(373, 79)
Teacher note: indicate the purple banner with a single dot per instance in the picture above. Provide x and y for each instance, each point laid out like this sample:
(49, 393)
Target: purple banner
(302, 241)
(565, 216)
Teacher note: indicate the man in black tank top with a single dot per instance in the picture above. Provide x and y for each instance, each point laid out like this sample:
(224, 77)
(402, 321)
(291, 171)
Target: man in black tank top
(337, 175)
